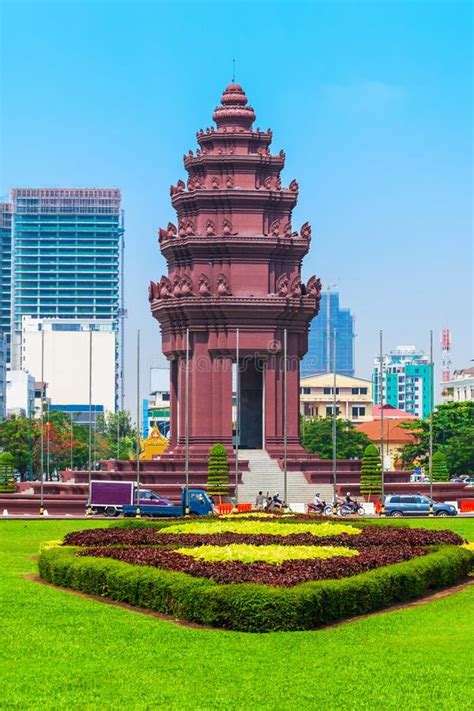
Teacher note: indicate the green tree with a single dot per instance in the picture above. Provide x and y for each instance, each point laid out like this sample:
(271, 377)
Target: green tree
(317, 438)
(218, 471)
(439, 468)
(21, 436)
(117, 434)
(7, 473)
(460, 453)
(452, 433)
(371, 471)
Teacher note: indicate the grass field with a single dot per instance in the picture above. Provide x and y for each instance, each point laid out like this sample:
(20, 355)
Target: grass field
(62, 651)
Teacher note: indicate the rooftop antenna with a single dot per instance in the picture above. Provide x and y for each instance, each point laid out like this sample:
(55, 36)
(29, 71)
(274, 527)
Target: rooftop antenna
(233, 71)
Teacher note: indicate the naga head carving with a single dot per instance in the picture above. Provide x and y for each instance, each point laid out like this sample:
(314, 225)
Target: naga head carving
(223, 286)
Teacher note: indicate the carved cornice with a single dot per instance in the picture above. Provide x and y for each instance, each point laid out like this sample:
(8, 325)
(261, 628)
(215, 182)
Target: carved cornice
(258, 249)
(220, 160)
(255, 313)
(236, 199)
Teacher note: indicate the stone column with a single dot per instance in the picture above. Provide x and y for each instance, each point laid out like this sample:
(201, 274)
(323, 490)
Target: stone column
(173, 402)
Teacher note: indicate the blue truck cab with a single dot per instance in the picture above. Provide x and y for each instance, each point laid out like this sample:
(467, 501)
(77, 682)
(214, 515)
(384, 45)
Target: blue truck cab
(151, 505)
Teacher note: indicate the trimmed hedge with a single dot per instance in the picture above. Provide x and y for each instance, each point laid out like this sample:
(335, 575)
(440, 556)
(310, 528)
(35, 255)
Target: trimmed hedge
(7, 473)
(371, 471)
(218, 471)
(439, 467)
(253, 607)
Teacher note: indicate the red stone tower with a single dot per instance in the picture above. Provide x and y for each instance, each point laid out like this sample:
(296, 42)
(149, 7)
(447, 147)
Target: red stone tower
(234, 262)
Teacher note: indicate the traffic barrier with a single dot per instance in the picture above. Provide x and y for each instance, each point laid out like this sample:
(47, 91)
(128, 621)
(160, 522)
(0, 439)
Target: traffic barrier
(466, 505)
(224, 508)
(244, 507)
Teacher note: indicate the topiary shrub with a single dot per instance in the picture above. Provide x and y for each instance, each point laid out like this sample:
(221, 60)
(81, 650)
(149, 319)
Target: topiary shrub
(218, 471)
(7, 473)
(371, 471)
(439, 467)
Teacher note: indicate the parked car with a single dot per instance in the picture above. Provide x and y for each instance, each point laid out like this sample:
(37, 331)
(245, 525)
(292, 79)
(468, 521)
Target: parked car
(416, 505)
(468, 480)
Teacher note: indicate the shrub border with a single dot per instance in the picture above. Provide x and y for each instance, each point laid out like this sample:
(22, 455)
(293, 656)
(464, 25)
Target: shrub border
(252, 607)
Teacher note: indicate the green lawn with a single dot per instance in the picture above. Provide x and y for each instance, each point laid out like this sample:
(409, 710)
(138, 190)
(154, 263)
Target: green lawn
(61, 651)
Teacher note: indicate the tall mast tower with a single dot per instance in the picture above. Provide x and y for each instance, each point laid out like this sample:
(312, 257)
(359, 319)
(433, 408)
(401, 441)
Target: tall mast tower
(446, 349)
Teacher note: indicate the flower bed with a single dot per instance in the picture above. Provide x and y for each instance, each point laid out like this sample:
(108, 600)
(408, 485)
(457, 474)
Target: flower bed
(272, 555)
(251, 607)
(256, 574)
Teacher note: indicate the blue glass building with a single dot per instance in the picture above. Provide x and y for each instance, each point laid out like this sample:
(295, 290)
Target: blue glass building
(5, 274)
(316, 359)
(66, 247)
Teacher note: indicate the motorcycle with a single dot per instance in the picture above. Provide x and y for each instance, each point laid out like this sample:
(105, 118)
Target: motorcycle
(343, 510)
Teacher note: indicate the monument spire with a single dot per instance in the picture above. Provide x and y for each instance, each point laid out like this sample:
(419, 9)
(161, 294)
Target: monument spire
(234, 263)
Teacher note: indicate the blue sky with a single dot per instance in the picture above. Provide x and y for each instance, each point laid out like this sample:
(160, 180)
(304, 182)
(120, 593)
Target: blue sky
(372, 102)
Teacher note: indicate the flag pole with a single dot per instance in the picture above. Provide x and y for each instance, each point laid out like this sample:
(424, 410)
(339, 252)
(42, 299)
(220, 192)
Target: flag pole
(334, 419)
(237, 414)
(42, 428)
(285, 416)
(137, 510)
(186, 426)
(430, 461)
(89, 508)
(382, 505)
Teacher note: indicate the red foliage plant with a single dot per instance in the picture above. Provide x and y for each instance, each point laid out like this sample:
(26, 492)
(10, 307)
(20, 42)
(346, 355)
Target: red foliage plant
(288, 574)
(370, 536)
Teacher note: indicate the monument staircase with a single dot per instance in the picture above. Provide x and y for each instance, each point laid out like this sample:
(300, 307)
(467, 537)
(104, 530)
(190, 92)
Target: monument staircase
(264, 474)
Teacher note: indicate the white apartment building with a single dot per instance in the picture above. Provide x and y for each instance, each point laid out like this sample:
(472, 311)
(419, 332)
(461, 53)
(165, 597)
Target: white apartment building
(461, 386)
(57, 351)
(20, 391)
